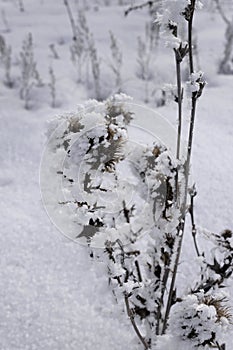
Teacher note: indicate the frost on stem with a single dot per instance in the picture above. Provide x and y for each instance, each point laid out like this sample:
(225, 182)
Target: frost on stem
(29, 73)
(142, 273)
(102, 163)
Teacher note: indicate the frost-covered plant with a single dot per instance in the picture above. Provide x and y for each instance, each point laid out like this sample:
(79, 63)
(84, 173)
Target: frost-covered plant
(144, 70)
(95, 67)
(80, 46)
(2, 46)
(5, 58)
(116, 64)
(158, 319)
(226, 64)
(201, 319)
(147, 44)
(83, 49)
(29, 72)
(217, 267)
(142, 237)
(77, 50)
(102, 162)
(7, 64)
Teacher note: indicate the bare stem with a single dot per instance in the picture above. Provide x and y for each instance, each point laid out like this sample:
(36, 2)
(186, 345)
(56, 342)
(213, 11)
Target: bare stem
(179, 97)
(180, 230)
(137, 7)
(72, 22)
(131, 317)
(194, 230)
(190, 36)
(179, 101)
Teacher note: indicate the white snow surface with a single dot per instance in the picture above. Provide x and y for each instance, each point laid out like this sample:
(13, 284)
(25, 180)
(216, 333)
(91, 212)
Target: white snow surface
(52, 296)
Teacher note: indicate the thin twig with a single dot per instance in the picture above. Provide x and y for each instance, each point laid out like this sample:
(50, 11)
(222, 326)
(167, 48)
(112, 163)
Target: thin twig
(138, 271)
(72, 22)
(126, 297)
(179, 101)
(180, 230)
(172, 285)
(192, 194)
(141, 6)
(131, 317)
(179, 54)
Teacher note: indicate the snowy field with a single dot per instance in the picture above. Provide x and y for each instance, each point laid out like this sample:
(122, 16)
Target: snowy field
(52, 296)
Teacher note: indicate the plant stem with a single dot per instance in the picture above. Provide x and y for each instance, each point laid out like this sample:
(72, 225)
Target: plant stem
(179, 93)
(190, 40)
(126, 297)
(164, 283)
(66, 3)
(180, 230)
(172, 285)
(131, 317)
(194, 230)
(179, 101)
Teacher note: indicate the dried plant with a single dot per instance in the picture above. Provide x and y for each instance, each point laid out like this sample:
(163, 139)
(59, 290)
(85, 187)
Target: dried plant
(29, 72)
(142, 270)
(226, 64)
(117, 61)
(52, 86)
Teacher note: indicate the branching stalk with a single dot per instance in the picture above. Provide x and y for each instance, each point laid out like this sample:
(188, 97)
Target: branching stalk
(180, 231)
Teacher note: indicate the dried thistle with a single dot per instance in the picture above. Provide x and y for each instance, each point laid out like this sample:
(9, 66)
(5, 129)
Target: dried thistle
(219, 303)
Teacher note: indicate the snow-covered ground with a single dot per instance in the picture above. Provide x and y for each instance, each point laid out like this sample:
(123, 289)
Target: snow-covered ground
(50, 297)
